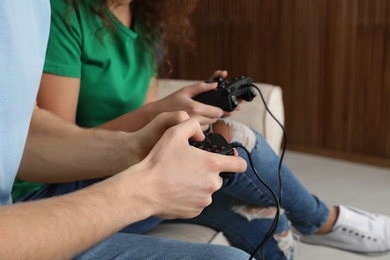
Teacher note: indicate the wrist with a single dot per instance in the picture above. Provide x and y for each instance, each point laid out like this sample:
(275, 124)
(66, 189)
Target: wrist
(127, 148)
(137, 191)
(153, 109)
(131, 200)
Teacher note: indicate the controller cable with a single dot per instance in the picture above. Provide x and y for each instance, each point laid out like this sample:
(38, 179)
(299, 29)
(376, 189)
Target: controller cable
(278, 202)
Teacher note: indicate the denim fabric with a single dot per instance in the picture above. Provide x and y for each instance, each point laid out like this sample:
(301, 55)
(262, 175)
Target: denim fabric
(241, 233)
(305, 212)
(139, 247)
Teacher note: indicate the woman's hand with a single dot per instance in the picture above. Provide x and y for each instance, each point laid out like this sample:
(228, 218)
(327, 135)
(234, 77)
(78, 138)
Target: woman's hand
(182, 100)
(223, 74)
(218, 74)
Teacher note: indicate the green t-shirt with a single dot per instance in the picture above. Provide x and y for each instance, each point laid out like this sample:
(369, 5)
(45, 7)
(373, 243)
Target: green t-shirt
(114, 66)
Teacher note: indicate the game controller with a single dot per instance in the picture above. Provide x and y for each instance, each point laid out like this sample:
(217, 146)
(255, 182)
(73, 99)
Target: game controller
(227, 93)
(215, 143)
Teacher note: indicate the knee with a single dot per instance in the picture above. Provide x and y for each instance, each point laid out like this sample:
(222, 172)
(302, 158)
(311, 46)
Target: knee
(286, 243)
(236, 132)
(284, 237)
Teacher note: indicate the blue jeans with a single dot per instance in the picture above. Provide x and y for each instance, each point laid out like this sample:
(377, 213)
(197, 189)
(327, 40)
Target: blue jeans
(305, 212)
(139, 247)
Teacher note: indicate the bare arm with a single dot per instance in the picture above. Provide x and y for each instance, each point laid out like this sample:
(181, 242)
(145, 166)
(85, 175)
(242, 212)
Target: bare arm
(152, 96)
(59, 95)
(59, 151)
(62, 227)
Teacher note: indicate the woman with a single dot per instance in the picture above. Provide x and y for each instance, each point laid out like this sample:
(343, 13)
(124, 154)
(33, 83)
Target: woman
(101, 67)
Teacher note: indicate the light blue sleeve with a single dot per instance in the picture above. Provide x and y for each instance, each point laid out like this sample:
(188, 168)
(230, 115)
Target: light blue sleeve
(24, 29)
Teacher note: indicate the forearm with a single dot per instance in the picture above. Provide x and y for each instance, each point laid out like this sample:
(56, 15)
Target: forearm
(62, 227)
(58, 151)
(134, 120)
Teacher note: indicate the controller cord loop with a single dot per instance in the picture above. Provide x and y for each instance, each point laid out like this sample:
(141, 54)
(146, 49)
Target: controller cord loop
(278, 202)
(284, 145)
(277, 214)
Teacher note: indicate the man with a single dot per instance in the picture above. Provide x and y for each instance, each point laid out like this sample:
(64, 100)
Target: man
(83, 224)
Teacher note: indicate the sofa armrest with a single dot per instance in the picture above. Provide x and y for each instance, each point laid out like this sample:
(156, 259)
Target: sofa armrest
(252, 114)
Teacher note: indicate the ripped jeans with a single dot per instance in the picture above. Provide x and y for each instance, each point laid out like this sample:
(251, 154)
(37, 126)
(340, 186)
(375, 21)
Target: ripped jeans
(300, 208)
(305, 211)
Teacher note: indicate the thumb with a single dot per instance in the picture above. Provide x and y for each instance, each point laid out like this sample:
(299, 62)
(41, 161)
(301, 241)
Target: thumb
(230, 163)
(200, 87)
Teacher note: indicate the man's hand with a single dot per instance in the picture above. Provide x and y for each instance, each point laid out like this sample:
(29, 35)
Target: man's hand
(178, 178)
(145, 139)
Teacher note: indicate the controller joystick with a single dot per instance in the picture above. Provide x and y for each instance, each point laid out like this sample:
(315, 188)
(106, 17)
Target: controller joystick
(215, 143)
(227, 93)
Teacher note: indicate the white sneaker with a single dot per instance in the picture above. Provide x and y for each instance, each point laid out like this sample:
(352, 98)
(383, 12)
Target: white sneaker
(356, 231)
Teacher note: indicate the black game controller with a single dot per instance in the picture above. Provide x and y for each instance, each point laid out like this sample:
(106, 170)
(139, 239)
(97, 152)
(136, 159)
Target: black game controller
(227, 93)
(215, 143)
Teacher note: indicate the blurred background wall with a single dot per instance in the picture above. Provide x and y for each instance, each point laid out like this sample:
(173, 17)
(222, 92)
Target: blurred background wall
(331, 58)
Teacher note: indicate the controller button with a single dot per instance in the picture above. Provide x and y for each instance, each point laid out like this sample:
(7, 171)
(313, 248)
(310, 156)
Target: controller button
(234, 100)
(232, 90)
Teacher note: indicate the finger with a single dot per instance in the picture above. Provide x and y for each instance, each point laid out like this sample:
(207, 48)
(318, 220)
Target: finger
(189, 129)
(166, 120)
(208, 111)
(228, 163)
(205, 127)
(177, 117)
(219, 73)
(227, 114)
(203, 121)
(237, 108)
(200, 87)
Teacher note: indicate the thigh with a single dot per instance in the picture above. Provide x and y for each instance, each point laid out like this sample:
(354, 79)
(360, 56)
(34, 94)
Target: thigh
(131, 246)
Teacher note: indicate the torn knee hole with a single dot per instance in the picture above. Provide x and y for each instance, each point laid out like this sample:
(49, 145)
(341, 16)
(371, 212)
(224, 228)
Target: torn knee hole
(283, 234)
(239, 133)
(286, 243)
(251, 212)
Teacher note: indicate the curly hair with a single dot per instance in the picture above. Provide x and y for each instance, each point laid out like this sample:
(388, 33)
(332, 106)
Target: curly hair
(164, 21)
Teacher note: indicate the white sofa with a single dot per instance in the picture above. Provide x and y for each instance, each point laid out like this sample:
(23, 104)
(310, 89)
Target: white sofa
(252, 114)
